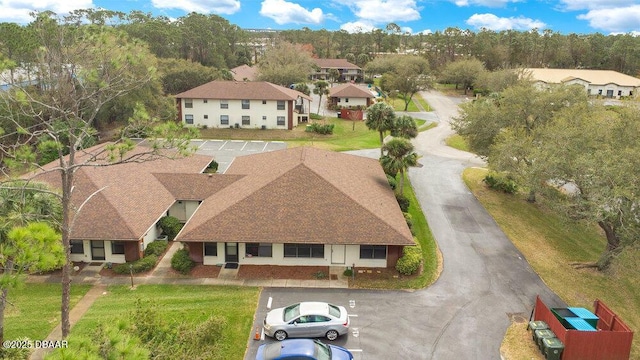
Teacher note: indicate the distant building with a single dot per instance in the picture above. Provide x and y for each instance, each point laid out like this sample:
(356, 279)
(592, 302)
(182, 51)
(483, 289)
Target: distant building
(244, 73)
(347, 70)
(247, 104)
(350, 96)
(605, 83)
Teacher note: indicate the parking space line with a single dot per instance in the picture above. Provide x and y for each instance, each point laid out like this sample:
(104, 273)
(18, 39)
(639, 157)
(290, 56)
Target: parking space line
(223, 144)
(243, 146)
(265, 146)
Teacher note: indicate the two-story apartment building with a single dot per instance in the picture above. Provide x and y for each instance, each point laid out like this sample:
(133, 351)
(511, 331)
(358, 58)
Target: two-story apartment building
(347, 70)
(251, 105)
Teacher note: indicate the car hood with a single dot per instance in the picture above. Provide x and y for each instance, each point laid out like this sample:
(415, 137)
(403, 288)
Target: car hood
(340, 353)
(274, 317)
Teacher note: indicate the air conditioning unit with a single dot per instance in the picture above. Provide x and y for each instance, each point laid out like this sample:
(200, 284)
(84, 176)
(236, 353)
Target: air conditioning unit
(237, 125)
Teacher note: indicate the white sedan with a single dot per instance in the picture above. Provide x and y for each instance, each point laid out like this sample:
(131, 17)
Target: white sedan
(307, 319)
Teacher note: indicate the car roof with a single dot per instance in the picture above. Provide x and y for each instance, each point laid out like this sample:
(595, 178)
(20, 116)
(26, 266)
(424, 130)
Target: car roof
(314, 307)
(290, 347)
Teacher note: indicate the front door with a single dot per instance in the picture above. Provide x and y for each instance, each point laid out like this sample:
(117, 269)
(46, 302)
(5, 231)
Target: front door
(337, 254)
(97, 250)
(231, 252)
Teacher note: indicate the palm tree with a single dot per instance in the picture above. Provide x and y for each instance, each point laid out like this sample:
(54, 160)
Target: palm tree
(405, 127)
(398, 158)
(380, 117)
(321, 88)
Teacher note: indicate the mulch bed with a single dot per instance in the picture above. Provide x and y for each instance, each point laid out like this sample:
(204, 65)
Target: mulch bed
(282, 272)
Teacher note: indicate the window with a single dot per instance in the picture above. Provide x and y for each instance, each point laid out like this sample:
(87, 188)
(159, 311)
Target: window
(188, 119)
(304, 250)
(264, 118)
(205, 101)
(224, 104)
(246, 104)
(77, 247)
(206, 116)
(188, 103)
(280, 120)
(346, 99)
(600, 92)
(210, 249)
(280, 104)
(246, 120)
(619, 92)
(264, 102)
(224, 119)
(258, 249)
(373, 252)
(117, 247)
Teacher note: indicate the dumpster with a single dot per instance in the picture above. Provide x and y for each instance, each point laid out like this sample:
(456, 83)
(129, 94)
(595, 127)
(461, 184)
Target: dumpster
(586, 315)
(539, 335)
(552, 348)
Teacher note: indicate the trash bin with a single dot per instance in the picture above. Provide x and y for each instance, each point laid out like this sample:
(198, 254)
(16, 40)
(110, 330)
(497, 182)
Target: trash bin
(539, 335)
(552, 348)
(538, 325)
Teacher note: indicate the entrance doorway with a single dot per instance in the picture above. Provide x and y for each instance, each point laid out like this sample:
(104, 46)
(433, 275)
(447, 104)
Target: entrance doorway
(97, 250)
(231, 252)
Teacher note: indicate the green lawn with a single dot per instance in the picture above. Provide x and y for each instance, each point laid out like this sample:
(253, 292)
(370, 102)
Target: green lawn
(551, 243)
(457, 142)
(344, 137)
(180, 303)
(398, 104)
(34, 309)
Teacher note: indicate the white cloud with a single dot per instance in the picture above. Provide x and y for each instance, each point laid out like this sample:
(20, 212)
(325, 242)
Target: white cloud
(18, 10)
(622, 19)
(492, 22)
(386, 11)
(486, 3)
(357, 26)
(592, 4)
(200, 6)
(285, 12)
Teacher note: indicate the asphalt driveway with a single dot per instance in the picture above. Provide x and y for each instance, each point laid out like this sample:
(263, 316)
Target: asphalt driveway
(485, 283)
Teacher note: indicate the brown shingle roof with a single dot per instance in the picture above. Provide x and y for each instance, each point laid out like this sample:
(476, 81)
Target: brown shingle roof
(334, 64)
(236, 90)
(195, 186)
(349, 90)
(244, 72)
(129, 198)
(302, 195)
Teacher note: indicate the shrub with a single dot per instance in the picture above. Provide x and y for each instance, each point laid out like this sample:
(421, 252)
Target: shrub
(17, 353)
(410, 261)
(181, 261)
(170, 226)
(502, 183)
(315, 116)
(319, 275)
(348, 272)
(141, 265)
(409, 219)
(212, 168)
(326, 129)
(392, 181)
(404, 202)
(156, 248)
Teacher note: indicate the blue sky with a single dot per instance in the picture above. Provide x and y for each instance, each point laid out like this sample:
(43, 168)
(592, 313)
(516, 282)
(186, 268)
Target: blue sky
(414, 16)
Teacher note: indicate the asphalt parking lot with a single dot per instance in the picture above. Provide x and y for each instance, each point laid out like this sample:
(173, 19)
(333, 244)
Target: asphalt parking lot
(224, 151)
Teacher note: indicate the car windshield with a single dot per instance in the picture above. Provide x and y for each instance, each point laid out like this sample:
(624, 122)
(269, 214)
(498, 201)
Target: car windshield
(291, 312)
(323, 352)
(334, 311)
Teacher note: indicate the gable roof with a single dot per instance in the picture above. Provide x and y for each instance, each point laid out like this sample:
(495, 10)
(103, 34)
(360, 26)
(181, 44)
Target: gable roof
(125, 199)
(244, 72)
(242, 90)
(302, 195)
(335, 64)
(595, 77)
(349, 90)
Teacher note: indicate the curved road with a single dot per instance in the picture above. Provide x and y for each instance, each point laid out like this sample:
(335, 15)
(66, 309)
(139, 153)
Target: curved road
(485, 279)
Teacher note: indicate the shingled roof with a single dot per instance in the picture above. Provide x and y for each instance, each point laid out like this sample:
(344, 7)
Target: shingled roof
(334, 64)
(302, 195)
(596, 77)
(349, 90)
(127, 198)
(242, 90)
(244, 72)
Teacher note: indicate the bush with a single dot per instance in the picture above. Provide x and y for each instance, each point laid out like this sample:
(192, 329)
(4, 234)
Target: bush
(212, 168)
(409, 219)
(141, 265)
(326, 129)
(410, 261)
(315, 116)
(170, 226)
(392, 181)
(348, 272)
(404, 202)
(502, 183)
(181, 261)
(17, 353)
(156, 248)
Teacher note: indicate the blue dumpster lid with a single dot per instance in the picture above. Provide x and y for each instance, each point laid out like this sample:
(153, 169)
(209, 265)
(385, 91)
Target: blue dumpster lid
(580, 324)
(583, 313)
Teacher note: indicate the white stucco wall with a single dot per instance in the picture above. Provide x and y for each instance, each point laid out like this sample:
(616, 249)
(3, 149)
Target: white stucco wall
(256, 112)
(109, 257)
(183, 209)
(346, 102)
(352, 256)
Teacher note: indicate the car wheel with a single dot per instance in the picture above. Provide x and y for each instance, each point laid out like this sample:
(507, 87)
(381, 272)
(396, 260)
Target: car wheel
(280, 335)
(332, 335)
